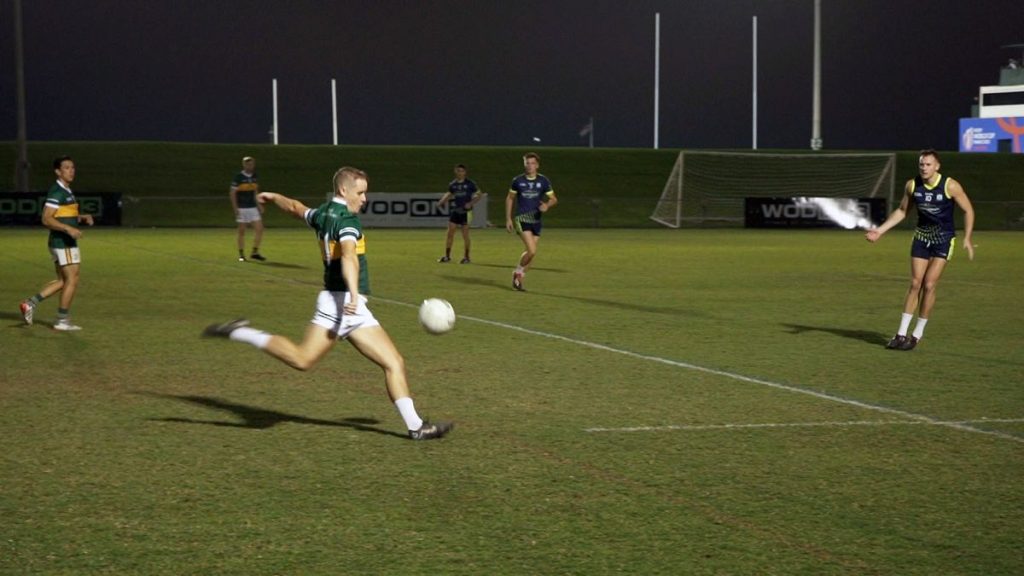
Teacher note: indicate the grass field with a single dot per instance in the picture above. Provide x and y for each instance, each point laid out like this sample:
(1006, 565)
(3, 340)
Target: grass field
(659, 402)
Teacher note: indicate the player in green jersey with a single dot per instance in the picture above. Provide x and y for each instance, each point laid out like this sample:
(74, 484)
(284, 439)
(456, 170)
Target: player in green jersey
(341, 310)
(244, 188)
(60, 215)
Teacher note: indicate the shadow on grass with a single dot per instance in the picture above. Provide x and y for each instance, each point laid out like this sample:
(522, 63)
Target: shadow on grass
(510, 265)
(261, 418)
(862, 335)
(284, 265)
(595, 301)
(19, 322)
(13, 316)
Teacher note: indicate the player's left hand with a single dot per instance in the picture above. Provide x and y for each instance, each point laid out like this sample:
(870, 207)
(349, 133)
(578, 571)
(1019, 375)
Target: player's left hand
(86, 218)
(543, 207)
(872, 235)
(970, 248)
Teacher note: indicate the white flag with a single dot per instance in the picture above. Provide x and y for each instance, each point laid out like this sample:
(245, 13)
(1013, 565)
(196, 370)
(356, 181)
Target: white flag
(587, 129)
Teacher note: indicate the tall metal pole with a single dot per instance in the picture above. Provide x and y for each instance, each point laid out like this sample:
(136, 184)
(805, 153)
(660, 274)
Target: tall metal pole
(816, 114)
(334, 109)
(753, 122)
(591, 131)
(657, 71)
(275, 111)
(21, 166)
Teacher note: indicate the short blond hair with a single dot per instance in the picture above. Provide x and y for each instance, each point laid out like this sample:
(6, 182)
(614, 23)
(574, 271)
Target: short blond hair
(348, 175)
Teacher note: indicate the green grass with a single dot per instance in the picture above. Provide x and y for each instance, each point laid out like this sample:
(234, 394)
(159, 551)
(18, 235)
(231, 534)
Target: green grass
(135, 447)
(185, 184)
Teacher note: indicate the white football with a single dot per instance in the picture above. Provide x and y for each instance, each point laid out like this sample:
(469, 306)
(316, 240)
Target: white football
(437, 316)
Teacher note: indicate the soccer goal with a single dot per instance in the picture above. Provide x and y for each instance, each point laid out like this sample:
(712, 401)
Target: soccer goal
(709, 187)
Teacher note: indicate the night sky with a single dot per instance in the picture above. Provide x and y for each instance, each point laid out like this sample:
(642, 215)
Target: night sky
(897, 74)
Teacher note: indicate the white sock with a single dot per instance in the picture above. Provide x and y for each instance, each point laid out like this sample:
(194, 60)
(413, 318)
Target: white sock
(257, 338)
(919, 329)
(905, 324)
(408, 412)
(519, 270)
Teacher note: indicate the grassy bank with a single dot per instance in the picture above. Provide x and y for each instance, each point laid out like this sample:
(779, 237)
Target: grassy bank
(603, 187)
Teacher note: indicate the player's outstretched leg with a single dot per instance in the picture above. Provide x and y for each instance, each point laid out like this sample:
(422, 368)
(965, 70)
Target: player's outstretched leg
(431, 430)
(224, 329)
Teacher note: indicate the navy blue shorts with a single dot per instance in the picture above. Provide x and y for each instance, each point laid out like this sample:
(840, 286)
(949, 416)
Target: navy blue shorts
(929, 250)
(459, 218)
(533, 227)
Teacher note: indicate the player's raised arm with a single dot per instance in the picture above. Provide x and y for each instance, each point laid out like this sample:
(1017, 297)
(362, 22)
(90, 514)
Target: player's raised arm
(895, 217)
(289, 205)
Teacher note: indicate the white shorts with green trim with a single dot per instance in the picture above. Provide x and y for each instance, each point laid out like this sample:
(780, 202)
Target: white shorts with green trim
(330, 314)
(66, 256)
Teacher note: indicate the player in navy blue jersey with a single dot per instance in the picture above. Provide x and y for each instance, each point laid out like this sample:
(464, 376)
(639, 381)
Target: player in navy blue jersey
(462, 194)
(532, 195)
(934, 239)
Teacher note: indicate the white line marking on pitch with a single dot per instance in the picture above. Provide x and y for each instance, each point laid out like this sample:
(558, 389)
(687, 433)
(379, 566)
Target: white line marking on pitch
(848, 423)
(909, 415)
(797, 390)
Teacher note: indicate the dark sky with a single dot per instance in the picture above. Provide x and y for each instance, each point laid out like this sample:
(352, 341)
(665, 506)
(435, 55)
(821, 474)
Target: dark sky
(897, 74)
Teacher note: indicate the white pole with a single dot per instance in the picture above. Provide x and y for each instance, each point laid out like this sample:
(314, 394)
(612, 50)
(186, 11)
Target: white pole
(754, 103)
(816, 114)
(591, 131)
(275, 111)
(334, 109)
(21, 167)
(657, 68)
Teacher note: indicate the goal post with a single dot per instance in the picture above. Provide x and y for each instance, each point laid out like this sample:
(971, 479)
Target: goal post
(710, 187)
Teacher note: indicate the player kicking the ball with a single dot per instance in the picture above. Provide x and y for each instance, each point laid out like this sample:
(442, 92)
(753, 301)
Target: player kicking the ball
(341, 310)
(934, 239)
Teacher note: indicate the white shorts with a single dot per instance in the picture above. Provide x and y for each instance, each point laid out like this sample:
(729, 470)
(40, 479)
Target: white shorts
(248, 215)
(65, 256)
(330, 315)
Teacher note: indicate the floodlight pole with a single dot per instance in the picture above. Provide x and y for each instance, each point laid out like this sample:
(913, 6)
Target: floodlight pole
(274, 84)
(334, 109)
(816, 113)
(591, 132)
(21, 166)
(657, 68)
(753, 144)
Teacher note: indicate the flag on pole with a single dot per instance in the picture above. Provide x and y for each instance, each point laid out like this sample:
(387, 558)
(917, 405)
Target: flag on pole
(587, 128)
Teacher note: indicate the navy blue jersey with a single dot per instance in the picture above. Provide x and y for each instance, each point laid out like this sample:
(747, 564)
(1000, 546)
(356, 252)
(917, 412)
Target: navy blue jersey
(934, 211)
(529, 195)
(462, 193)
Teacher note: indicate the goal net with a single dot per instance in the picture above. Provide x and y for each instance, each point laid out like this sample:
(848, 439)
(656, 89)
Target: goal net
(707, 187)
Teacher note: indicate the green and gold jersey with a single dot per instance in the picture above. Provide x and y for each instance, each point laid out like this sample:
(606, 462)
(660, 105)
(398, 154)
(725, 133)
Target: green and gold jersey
(246, 185)
(64, 201)
(334, 224)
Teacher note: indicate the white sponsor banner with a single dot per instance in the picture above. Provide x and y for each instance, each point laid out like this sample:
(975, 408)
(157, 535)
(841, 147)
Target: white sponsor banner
(413, 210)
